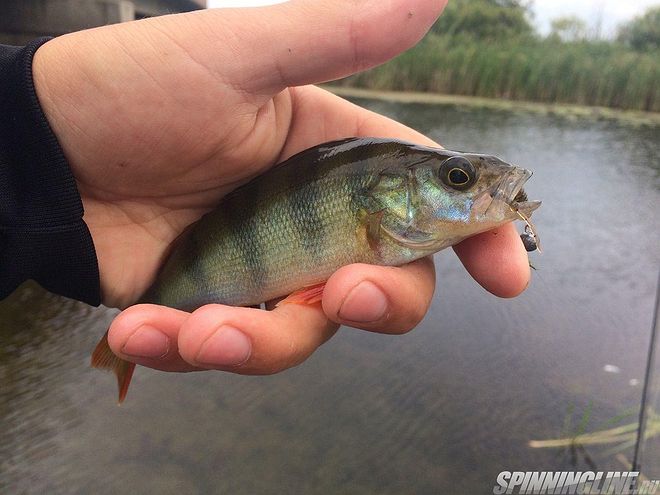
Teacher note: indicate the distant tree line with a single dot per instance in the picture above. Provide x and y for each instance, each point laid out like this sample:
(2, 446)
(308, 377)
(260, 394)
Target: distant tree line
(490, 48)
(485, 19)
(642, 33)
(502, 19)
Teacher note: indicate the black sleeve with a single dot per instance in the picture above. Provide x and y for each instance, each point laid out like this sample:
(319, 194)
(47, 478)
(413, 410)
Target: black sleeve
(42, 234)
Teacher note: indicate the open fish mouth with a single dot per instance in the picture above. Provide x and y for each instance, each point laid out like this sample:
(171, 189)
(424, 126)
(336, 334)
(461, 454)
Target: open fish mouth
(510, 191)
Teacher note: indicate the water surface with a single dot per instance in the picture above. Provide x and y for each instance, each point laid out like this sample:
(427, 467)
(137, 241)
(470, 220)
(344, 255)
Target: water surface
(443, 409)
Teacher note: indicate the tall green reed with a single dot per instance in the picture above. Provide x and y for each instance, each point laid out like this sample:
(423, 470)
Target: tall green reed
(586, 73)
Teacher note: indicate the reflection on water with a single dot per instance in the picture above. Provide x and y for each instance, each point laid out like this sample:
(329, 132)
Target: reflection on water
(445, 408)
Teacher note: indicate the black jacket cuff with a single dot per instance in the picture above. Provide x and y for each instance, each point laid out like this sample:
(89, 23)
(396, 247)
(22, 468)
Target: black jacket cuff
(42, 233)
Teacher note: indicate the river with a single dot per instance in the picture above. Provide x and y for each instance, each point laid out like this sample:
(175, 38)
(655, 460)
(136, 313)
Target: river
(443, 409)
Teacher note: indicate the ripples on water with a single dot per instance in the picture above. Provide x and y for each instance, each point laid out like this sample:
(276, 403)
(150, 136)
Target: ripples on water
(443, 409)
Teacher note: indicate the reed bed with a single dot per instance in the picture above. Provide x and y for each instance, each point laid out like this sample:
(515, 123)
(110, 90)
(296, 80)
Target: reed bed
(544, 70)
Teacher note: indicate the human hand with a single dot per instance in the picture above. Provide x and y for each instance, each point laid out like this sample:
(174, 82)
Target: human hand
(162, 117)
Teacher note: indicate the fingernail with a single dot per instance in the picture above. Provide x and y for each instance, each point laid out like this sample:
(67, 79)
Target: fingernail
(147, 342)
(228, 346)
(365, 303)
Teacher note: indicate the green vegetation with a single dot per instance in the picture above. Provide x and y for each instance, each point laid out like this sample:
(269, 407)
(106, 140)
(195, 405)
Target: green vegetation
(484, 19)
(643, 33)
(488, 48)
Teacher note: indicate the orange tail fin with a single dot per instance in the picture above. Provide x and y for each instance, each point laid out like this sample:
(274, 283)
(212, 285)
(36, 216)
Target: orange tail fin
(104, 358)
(307, 295)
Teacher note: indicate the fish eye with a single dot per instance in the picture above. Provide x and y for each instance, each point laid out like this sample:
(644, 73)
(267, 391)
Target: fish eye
(458, 173)
(458, 176)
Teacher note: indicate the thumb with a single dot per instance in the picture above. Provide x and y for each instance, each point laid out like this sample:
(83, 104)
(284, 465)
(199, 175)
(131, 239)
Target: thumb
(304, 41)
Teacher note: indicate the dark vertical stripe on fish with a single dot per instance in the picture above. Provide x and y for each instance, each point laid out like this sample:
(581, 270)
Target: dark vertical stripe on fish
(309, 225)
(195, 268)
(239, 216)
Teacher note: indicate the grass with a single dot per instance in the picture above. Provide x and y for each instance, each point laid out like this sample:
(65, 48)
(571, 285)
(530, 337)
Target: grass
(604, 74)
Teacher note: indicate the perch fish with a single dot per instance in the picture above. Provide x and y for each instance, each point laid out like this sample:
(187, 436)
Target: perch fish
(357, 200)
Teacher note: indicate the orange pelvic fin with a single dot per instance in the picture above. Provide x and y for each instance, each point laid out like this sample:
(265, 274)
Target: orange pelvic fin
(307, 295)
(104, 358)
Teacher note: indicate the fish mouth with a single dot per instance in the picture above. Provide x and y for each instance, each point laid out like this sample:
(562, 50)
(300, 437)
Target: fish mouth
(510, 191)
(505, 201)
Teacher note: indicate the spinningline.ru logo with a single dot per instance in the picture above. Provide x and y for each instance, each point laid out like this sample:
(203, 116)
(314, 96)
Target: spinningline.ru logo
(574, 482)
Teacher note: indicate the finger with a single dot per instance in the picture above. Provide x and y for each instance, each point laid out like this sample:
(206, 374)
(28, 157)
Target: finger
(382, 299)
(306, 41)
(148, 334)
(320, 116)
(253, 341)
(241, 340)
(497, 260)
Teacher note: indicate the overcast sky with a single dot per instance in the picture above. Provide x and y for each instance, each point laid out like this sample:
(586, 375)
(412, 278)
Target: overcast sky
(610, 13)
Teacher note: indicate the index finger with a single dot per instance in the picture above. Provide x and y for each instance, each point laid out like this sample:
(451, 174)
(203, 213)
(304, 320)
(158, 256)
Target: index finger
(497, 260)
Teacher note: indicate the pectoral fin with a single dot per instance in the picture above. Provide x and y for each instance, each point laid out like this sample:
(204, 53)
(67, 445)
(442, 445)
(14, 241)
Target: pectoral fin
(398, 231)
(411, 237)
(373, 224)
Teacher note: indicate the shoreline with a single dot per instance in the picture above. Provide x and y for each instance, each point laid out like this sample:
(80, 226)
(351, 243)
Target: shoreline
(631, 117)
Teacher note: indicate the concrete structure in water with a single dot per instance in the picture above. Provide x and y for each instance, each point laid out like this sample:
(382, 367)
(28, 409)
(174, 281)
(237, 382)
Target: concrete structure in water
(24, 20)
